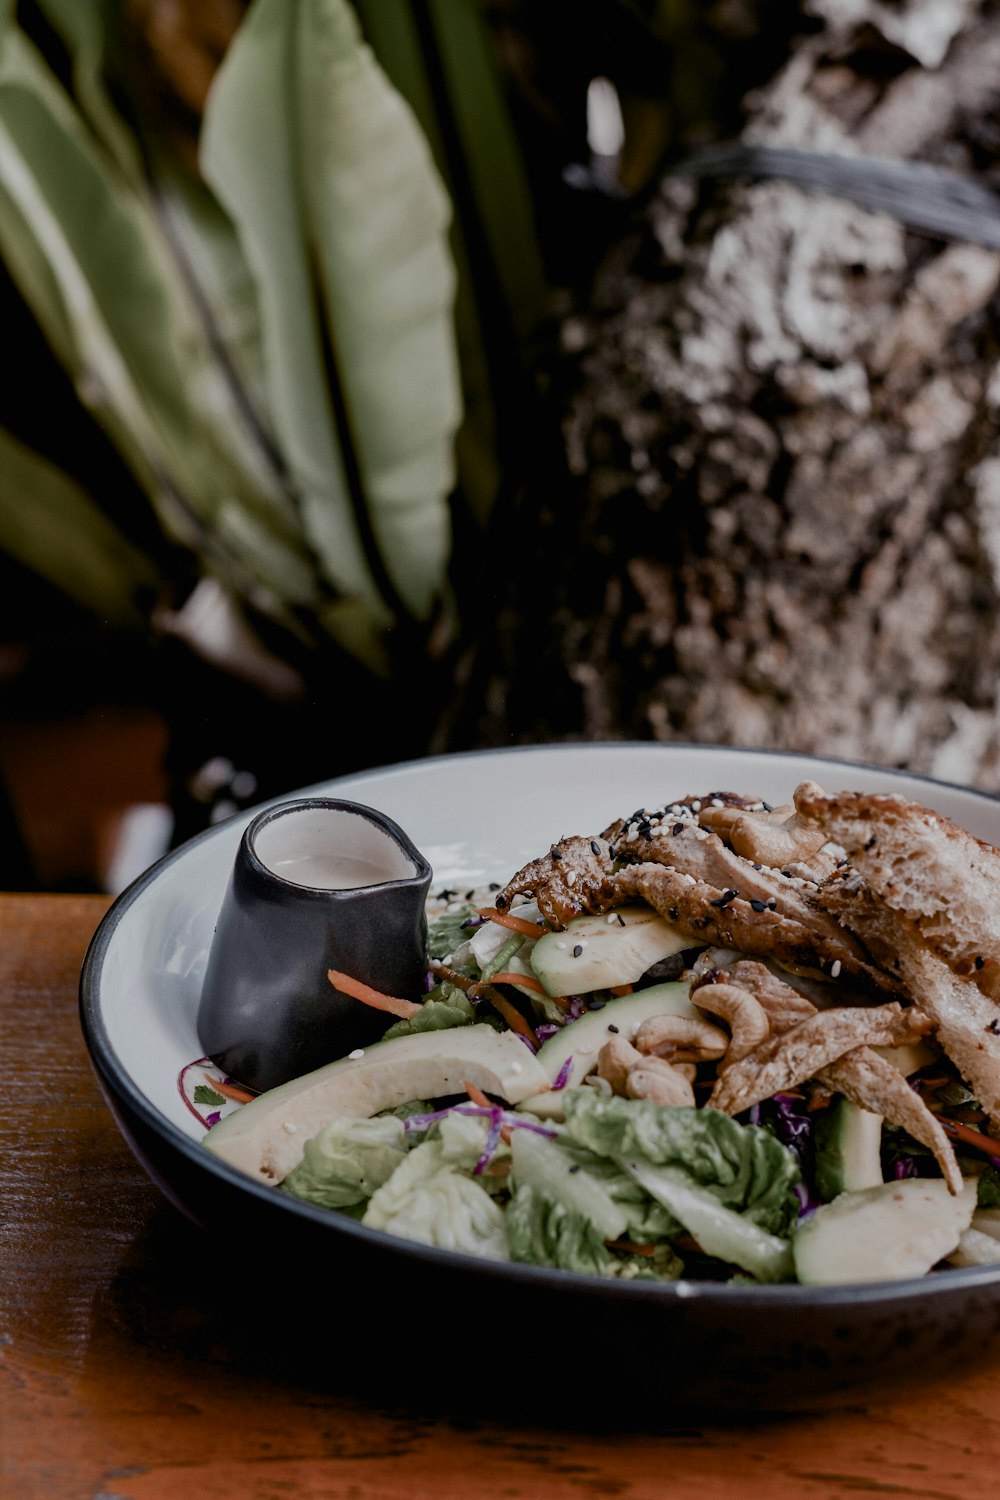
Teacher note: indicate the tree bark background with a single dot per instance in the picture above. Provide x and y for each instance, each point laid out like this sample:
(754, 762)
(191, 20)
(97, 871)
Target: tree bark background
(765, 508)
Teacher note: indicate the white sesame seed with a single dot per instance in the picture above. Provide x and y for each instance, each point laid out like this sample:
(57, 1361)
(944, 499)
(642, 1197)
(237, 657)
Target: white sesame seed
(835, 969)
(288, 1126)
(358, 1052)
(570, 877)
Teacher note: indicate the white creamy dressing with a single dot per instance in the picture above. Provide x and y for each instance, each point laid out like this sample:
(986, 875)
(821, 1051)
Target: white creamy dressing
(332, 871)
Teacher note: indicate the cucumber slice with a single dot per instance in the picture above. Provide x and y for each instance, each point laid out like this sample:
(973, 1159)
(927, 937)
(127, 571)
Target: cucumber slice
(848, 1149)
(593, 953)
(908, 1057)
(975, 1249)
(265, 1137)
(581, 1041)
(883, 1233)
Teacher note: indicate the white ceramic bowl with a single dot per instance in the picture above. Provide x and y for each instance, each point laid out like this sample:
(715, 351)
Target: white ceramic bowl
(478, 817)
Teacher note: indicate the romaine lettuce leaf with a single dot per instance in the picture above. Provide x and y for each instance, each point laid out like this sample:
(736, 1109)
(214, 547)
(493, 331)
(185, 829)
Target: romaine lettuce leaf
(544, 1232)
(344, 1163)
(439, 1013)
(448, 931)
(428, 1199)
(743, 1166)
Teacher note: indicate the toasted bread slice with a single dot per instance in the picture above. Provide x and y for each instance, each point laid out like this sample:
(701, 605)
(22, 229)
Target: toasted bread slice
(924, 896)
(926, 869)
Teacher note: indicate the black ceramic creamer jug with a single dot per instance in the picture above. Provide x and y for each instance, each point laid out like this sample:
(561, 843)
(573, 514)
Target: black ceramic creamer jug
(317, 883)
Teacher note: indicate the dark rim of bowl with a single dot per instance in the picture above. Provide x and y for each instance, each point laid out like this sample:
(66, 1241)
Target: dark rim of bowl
(119, 1082)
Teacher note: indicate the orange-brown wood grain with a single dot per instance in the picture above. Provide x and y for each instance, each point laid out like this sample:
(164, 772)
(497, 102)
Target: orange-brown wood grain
(143, 1361)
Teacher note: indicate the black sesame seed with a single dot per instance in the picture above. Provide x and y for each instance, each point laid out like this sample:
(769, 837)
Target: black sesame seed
(577, 950)
(725, 898)
(677, 828)
(575, 1167)
(612, 1026)
(672, 913)
(872, 841)
(980, 960)
(993, 1026)
(758, 905)
(597, 1005)
(556, 853)
(621, 919)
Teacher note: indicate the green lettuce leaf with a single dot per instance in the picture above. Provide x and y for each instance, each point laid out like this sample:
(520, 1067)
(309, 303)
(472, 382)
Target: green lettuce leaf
(648, 1221)
(448, 932)
(347, 1161)
(743, 1166)
(436, 1015)
(429, 1199)
(543, 1232)
(732, 1237)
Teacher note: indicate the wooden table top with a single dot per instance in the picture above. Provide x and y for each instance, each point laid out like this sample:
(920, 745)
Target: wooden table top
(123, 1379)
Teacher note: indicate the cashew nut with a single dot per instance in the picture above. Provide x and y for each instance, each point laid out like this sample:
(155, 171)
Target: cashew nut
(659, 1082)
(747, 1018)
(616, 1060)
(681, 1038)
(776, 841)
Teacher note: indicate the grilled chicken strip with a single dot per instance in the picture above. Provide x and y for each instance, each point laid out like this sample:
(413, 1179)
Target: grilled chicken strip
(861, 1075)
(724, 918)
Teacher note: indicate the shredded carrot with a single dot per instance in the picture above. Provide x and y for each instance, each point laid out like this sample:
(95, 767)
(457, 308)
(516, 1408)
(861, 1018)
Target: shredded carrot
(368, 996)
(969, 1137)
(620, 989)
(515, 924)
(631, 1247)
(528, 981)
(503, 1006)
(242, 1096)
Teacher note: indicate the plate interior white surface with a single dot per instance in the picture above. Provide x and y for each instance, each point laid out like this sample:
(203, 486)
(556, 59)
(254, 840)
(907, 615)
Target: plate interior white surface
(475, 817)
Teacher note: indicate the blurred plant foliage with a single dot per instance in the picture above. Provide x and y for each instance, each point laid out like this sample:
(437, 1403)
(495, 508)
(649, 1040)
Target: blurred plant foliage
(269, 343)
(292, 257)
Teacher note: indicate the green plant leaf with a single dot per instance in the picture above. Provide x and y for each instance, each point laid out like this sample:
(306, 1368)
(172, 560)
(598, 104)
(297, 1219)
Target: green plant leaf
(84, 26)
(344, 223)
(51, 525)
(89, 256)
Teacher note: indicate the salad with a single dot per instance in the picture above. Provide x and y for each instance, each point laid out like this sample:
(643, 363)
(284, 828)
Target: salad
(716, 1040)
